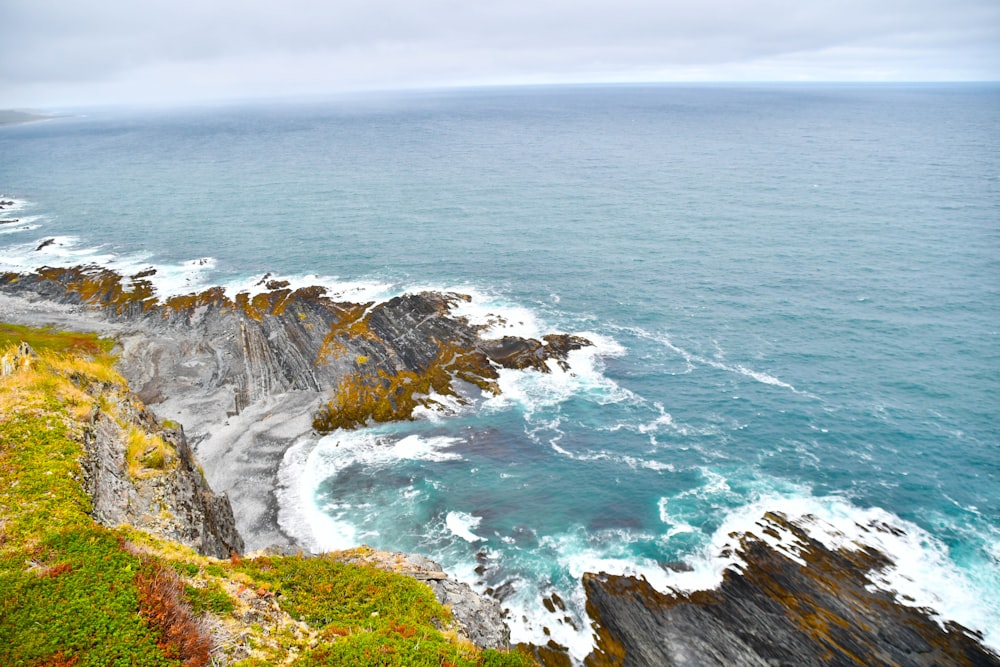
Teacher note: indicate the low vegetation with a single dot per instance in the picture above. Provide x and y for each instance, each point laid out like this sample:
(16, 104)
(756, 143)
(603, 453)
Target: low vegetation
(74, 593)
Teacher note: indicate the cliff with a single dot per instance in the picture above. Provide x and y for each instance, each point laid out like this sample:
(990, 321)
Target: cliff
(250, 374)
(103, 513)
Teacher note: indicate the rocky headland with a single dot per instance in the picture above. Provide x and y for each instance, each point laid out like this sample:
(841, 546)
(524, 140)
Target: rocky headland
(790, 601)
(249, 375)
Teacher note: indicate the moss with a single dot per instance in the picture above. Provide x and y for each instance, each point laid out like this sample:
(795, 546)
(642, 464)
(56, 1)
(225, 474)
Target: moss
(76, 593)
(210, 598)
(49, 340)
(367, 616)
(58, 570)
(382, 397)
(147, 454)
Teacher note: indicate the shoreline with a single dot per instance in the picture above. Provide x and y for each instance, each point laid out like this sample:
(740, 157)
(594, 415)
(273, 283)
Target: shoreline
(11, 117)
(242, 449)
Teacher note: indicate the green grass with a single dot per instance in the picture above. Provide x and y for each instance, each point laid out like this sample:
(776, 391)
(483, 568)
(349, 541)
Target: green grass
(50, 340)
(210, 598)
(74, 593)
(67, 588)
(374, 617)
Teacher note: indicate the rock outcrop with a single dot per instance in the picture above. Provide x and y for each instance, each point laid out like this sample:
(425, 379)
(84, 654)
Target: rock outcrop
(379, 362)
(237, 372)
(174, 502)
(819, 607)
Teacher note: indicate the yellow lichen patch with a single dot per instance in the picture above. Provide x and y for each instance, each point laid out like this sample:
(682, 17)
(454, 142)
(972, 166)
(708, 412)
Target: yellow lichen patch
(215, 296)
(256, 307)
(103, 287)
(352, 324)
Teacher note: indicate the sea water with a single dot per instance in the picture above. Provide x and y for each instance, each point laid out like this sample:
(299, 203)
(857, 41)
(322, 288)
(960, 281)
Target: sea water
(793, 294)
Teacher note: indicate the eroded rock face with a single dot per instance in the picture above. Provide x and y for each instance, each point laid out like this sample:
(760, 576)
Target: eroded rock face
(175, 503)
(777, 612)
(231, 369)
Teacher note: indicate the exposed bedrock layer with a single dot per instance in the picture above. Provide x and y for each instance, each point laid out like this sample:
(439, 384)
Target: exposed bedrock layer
(249, 375)
(176, 504)
(816, 607)
(379, 361)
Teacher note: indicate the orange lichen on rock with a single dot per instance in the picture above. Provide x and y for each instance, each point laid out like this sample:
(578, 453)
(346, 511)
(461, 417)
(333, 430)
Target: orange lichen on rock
(103, 287)
(352, 324)
(381, 396)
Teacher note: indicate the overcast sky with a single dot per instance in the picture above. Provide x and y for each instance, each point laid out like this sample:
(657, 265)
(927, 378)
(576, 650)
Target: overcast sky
(64, 53)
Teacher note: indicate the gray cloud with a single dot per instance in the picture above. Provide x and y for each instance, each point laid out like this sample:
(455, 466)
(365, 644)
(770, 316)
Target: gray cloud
(56, 51)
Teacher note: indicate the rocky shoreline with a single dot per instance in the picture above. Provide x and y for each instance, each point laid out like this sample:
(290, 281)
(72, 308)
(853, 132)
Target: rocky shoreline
(250, 375)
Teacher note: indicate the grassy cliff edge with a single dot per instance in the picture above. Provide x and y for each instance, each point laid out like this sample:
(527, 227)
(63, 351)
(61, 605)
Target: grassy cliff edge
(73, 592)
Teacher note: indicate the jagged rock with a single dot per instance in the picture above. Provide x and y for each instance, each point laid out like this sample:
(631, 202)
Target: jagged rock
(515, 352)
(176, 503)
(776, 612)
(392, 355)
(224, 366)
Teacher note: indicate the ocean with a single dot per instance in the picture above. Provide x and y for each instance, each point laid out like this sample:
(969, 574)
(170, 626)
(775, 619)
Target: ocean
(793, 293)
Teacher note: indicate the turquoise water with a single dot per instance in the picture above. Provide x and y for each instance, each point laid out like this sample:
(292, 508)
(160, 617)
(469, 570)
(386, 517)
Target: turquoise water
(794, 291)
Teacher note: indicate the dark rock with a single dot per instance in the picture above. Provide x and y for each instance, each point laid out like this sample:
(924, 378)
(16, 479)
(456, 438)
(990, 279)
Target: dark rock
(211, 361)
(521, 353)
(176, 503)
(775, 612)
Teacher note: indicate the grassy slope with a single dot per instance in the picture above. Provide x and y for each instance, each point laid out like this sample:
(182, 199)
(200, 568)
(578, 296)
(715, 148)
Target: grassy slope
(76, 593)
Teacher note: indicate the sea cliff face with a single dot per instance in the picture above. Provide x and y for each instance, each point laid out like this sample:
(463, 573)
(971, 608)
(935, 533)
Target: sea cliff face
(177, 505)
(248, 375)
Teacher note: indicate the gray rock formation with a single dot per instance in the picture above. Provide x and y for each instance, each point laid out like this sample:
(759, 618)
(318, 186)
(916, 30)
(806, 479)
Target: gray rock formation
(175, 503)
(777, 612)
(249, 376)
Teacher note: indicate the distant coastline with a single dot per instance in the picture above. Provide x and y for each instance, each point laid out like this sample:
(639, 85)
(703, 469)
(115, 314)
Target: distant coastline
(14, 117)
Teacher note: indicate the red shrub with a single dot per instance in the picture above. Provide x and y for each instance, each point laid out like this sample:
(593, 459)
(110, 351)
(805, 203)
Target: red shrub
(161, 603)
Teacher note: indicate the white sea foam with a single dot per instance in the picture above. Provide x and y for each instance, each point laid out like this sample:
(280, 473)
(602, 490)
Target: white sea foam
(309, 463)
(923, 574)
(499, 317)
(10, 223)
(356, 291)
(298, 515)
(693, 360)
(440, 407)
(575, 553)
(462, 524)
(376, 450)
(535, 391)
